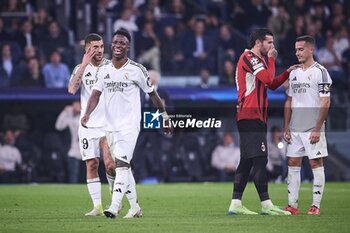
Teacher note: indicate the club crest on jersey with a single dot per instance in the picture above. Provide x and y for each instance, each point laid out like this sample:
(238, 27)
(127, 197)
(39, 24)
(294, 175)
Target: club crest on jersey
(254, 61)
(309, 77)
(126, 75)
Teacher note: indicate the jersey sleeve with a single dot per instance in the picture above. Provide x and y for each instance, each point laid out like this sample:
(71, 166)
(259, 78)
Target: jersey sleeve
(74, 71)
(99, 84)
(144, 81)
(324, 82)
(252, 64)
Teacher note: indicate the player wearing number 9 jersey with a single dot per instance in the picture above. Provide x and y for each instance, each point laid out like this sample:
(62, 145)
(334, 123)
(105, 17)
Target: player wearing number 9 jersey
(91, 139)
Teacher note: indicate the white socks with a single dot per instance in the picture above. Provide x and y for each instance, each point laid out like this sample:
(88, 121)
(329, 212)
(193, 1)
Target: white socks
(131, 191)
(110, 180)
(266, 204)
(94, 187)
(293, 185)
(318, 186)
(235, 203)
(121, 183)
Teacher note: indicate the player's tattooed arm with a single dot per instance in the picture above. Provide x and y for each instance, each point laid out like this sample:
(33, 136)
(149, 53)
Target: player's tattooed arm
(74, 83)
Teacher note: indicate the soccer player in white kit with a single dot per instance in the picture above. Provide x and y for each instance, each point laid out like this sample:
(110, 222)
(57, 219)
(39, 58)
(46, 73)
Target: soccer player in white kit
(119, 82)
(306, 110)
(91, 139)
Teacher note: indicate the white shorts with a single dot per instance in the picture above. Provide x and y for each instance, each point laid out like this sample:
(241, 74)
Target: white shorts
(300, 146)
(89, 142)
(122, 144)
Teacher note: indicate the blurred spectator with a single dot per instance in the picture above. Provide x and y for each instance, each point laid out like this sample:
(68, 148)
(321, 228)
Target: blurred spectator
(55, 40)
(296, 7)
(10, 72)
(172, 58)
(154, 6)
(328, 57)
(69, 118)
(204, 76)
(147, 47)
(198, 48)
(11, 167)
(176, 8)
(29, 53)
(34, 78)
(276, 163)
(227, 43)
(56, 74)
(126, 21)
(258, 15)
(26, 37)
(341, 41)
(14, 6)
(4, 35)
(225, 158)
(16, 120)
(279, 24)
(227, 77)
(288, 44)
(148, 17)
(41, 20)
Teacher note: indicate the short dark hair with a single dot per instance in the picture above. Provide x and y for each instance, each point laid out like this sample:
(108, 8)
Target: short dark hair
(92, 37)
(123, 32)
(258, 34)
(307, 39)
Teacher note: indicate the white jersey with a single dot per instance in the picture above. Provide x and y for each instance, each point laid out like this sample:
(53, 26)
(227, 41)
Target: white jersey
(306, 87)
(121, 90)
(97, 117)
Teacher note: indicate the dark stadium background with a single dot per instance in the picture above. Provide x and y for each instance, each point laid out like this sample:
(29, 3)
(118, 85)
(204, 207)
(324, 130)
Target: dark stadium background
(186, 156)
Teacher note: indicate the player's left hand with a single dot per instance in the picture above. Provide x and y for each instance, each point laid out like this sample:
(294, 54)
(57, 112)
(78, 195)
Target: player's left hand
(168, 127)
(314, 136)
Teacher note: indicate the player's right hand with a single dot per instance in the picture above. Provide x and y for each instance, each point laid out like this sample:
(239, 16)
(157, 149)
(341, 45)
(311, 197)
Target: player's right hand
(88, 55)
(286, 135)
(84, 120)
(272, 53)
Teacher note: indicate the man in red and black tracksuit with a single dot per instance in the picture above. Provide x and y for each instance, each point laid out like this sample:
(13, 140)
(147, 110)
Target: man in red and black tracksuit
(255, 73)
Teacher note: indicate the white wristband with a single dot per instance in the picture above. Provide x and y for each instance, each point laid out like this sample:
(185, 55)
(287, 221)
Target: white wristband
(165, 116)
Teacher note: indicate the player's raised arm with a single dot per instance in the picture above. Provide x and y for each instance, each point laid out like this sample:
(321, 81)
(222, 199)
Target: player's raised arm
(74, 82)
(157, 101)
(91, 105)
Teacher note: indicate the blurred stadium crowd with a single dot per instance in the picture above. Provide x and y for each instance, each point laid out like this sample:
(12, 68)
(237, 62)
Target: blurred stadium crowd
(41, 42)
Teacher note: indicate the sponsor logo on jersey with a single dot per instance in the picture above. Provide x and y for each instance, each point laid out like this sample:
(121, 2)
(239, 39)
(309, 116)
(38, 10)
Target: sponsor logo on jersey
(88, 74)
(294, 79)
(107, 77)
(300, 87)
(116, 86)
